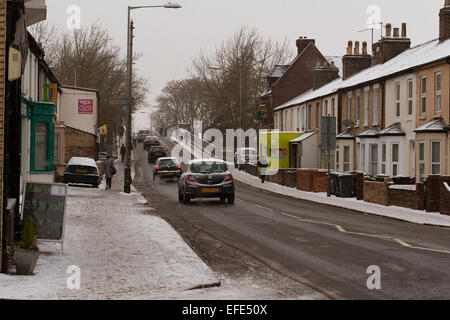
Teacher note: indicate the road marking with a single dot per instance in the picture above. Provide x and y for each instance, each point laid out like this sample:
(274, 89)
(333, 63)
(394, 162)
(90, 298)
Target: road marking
(342, 230)
(262, 207)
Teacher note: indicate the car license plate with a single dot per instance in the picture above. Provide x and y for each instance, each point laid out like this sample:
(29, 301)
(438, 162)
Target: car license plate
(211, 190)
(80, 171)
(168, 173)
(157, 153)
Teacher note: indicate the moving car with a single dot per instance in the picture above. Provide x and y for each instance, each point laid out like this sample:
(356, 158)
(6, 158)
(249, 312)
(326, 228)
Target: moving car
(102, 156)
(167, 168)
(156, 152)
(206, 178)
(151, 141)
(244, 156)
(82, 170)
(142, 135)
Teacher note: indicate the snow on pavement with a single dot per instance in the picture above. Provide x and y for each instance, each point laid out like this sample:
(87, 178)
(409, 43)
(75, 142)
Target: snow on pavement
(123, 252)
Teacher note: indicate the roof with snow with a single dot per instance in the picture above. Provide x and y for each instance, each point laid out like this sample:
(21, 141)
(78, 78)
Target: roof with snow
(371, 133)
(420, 55)
(435, 125)
(393, 130)
(278, 71)
(303, 137)
(347, 134)
(313, 94)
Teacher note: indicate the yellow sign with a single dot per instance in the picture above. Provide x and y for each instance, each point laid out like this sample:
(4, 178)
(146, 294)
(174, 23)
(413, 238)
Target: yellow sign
(103, 130)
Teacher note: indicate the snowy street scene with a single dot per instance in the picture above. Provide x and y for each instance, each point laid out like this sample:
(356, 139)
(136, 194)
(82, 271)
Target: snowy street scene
(224, 159)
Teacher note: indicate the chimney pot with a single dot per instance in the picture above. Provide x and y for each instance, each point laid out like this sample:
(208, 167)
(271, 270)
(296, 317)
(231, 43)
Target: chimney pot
(350, 47)
(404, 35)
(388, 30)
(396, 32)
(356, 48)
(364, 47)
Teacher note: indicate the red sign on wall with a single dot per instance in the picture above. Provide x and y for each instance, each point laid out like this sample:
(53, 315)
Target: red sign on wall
(85, 106)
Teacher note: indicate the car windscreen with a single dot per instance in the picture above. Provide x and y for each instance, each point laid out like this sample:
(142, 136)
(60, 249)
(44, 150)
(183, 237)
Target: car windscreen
(167, 162)
(208, 167)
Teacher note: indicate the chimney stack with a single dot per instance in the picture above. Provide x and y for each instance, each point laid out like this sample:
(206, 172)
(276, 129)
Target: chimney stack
(391, 46)
(444, 22)
(354, 62)
(324, 74)
(302, 43)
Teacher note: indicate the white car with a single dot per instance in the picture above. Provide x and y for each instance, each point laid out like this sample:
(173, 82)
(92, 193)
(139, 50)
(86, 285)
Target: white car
(244, 156)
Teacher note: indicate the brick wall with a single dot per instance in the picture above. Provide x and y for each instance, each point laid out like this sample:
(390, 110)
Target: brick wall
(412, 199)
(290, 178)
(359, 185)
(376, 192)
(433, 193)
(275, 178)
(445, 196)
(79, 144)
(305, 181)
(320, 181)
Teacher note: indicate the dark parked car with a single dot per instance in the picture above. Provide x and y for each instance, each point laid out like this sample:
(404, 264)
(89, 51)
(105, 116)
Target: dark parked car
(82, 170)
(206, 178)
(167, 168)
(156, 152)
(151, 141)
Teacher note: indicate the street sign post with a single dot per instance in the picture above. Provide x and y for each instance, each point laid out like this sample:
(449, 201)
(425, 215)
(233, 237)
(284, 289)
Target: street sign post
(119, 102)
(328, 142)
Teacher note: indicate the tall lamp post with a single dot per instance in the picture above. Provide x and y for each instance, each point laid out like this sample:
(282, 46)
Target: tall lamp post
(130, 29)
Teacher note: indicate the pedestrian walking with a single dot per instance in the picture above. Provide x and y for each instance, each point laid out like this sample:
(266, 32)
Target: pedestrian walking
(110, 171)
(134, 139)
(263, 164)
(123, 151)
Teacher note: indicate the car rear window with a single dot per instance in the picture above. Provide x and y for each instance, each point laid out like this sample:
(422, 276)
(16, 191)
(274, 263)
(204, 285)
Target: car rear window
(157, 148)
(167, 162)
(208, 167)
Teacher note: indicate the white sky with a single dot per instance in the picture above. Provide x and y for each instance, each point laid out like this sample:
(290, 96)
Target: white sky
(170, 39)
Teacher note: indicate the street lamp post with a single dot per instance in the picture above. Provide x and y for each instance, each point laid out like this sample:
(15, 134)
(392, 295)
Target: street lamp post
(130, 28)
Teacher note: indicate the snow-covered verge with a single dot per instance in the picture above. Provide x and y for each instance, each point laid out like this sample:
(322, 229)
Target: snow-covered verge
(414, 216)
(123, 252)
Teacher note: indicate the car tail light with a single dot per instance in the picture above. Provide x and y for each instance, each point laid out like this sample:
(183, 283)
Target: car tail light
(150, 150)
(95, 171)
(191, 178)
(164, 149)
(229, 178)
(158, 168)
(67, 169)
(179, 167)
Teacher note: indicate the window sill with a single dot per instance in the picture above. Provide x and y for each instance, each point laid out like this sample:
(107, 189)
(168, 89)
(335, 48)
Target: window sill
(42, 172)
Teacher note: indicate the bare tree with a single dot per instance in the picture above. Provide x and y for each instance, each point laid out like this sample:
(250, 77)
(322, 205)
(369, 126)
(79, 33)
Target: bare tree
(237, 68)
(89, 58)
(47, 37)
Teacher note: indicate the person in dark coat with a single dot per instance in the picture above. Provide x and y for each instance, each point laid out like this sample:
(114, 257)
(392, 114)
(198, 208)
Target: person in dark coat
(109, 165)
(263, 164)
(123, 151)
